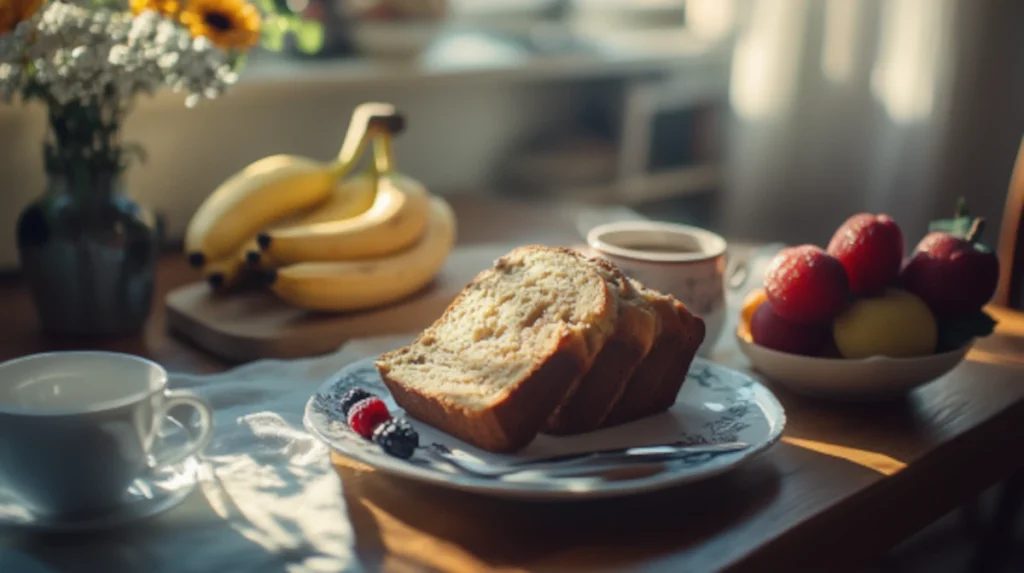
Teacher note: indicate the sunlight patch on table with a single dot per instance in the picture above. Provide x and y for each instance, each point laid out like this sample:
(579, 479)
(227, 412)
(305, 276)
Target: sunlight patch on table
(409, 549)
(1010, 321)
(995, 358)
(881, 463)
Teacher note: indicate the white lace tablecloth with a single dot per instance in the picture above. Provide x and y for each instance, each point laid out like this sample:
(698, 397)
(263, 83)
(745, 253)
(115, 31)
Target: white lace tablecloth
(269, 499)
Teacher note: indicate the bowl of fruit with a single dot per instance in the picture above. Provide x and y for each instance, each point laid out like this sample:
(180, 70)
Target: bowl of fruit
(858, 321)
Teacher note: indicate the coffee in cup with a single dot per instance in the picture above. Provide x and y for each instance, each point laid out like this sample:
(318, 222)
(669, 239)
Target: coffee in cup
(683, 261)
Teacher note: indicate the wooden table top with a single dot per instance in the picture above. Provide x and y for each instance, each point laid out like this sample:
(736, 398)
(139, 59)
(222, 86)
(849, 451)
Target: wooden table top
(847, 483)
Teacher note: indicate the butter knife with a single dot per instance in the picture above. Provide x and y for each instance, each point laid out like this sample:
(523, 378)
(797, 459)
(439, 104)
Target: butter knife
(637, 454)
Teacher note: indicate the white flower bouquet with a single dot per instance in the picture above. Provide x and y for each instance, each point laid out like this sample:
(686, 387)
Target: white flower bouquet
(86, 60)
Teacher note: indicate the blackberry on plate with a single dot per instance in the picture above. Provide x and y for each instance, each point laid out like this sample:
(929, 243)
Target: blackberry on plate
(397, 437)
(350, 399)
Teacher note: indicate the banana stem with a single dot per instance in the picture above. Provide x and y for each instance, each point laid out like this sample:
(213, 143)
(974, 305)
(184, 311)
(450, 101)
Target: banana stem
(356, 139)
(383, 153)
(375, 121)
(350, 154)
(339, 169)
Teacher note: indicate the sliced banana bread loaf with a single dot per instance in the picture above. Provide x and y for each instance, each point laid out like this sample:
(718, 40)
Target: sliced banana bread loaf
(509, 348)
(635, 330)
(658, 376)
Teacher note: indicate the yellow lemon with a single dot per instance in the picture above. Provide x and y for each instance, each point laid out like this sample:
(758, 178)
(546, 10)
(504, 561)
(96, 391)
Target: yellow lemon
(895, 324)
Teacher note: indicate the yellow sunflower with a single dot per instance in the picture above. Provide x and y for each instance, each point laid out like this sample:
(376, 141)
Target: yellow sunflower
(230, 24)
(166, 8)
(14, 12)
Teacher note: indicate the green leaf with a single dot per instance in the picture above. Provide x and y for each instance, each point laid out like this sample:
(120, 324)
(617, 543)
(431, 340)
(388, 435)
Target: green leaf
(239, 60)
(275, 29)
(958, 225)
(309, 37)
(956, 332)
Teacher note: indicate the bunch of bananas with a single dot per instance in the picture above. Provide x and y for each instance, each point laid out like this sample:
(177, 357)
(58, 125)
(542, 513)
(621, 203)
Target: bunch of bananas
(320, 241)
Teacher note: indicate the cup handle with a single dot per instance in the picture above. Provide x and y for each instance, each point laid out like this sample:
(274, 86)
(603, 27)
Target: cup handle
(737, 272)
(199, 442)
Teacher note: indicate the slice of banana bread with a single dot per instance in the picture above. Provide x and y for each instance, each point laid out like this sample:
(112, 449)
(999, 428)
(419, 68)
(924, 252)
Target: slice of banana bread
(693, 329)
(658, 376)
(509, 348)
(599, 389)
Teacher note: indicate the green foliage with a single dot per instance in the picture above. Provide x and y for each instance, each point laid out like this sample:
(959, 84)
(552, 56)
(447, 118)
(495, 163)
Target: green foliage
(278, 24)
(87, 136)
(117, 5)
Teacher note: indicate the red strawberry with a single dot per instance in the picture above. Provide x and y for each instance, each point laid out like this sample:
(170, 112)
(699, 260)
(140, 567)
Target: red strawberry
(870, 247)
(806, 285)
(366, 415)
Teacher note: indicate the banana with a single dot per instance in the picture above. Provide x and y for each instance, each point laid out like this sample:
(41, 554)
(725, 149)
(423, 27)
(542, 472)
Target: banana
(254, 198)
(350, 198)
(395, 221)
(346, 286)
(277, 187)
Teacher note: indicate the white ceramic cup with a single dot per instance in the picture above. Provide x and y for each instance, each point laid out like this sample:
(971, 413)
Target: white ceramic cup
(683, 261)
(77, 428)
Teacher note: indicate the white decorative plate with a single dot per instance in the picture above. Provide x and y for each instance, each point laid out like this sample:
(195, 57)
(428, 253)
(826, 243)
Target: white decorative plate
(716, 405)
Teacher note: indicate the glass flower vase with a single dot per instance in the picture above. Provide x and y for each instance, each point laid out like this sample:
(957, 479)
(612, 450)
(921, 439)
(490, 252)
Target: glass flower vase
(88, 254)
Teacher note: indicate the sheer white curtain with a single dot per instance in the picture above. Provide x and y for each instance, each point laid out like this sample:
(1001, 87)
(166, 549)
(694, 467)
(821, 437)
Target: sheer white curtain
(894, 106)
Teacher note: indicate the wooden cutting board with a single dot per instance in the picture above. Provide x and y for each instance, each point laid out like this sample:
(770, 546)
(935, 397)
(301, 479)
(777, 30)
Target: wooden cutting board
(248, 326)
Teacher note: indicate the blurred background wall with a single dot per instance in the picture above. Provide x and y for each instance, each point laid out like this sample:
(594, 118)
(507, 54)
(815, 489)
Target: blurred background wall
(764, 119)
(895, 106)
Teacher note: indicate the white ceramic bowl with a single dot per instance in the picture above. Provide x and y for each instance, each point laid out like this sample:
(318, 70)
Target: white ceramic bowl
(395, 40)
(867, 379)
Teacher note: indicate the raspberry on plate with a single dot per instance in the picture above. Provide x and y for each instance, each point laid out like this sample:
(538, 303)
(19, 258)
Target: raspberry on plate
(351, 398)
(397, 437)
(366, 415)
(806, 285)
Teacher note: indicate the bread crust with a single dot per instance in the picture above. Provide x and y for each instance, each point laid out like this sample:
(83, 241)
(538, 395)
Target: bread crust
(667, 391)
(604, 382)
(512, 422)
(655, 384)
(642, 384)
